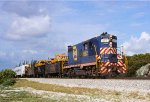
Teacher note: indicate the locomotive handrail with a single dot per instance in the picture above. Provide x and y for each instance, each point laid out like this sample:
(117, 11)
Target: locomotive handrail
(95, 55)
(119, 49)
(126, 62)
(124, 56)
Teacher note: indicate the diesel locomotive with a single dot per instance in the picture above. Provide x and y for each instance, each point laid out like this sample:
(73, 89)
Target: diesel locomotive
(96, 57)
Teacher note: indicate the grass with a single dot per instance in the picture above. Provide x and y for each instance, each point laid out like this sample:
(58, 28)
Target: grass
(62, 89)
(109, 95)
(93, 93)
(21, 96)
(53, 88)
(136, 95)
(133, 95)
(148, 95)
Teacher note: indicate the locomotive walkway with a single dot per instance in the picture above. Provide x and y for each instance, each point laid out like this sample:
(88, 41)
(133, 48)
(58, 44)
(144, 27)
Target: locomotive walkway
(108, 84)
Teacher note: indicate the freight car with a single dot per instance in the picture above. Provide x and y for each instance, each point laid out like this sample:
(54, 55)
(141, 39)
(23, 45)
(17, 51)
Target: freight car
(55, 66)
(21, 71)
(39, 68)
(30, 71)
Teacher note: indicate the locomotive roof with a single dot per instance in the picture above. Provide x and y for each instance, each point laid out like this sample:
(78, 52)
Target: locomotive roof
(103, 34)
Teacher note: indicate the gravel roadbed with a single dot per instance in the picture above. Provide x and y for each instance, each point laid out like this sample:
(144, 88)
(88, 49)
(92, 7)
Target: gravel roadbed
(110, 84)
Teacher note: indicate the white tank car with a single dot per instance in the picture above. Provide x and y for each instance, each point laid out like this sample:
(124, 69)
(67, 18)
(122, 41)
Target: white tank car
(20, 71)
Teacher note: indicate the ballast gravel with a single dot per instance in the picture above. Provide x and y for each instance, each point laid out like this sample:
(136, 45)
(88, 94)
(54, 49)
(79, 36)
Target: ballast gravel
(108, 84)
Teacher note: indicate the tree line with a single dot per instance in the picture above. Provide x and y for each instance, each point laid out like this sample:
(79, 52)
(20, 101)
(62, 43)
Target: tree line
(135, 62)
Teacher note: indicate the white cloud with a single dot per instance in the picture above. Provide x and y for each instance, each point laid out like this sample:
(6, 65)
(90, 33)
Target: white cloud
(138, 45)
(25, 27)
(145, 36)
(136, 25)
(30, 51)
(79, 32)
(139, 14)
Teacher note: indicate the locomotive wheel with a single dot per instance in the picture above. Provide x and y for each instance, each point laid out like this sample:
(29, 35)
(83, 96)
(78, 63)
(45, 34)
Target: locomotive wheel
(69, 73)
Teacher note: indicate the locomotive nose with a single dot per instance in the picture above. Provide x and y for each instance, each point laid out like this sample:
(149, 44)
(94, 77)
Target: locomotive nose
(113, 58)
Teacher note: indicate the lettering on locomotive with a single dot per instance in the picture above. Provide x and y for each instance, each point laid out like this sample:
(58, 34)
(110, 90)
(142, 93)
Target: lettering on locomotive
(75, 53)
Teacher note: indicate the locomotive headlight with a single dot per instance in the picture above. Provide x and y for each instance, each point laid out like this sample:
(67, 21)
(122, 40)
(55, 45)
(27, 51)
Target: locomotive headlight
(105, 40)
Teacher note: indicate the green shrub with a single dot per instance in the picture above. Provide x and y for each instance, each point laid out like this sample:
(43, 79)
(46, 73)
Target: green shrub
(7, 77)
(7, 73)
(9, 82)
(136, 62)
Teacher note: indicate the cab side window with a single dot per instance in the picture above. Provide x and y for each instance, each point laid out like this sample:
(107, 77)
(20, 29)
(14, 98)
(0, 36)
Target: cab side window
(91, 46)
(85, 46)
(70, 48)
(91, 49)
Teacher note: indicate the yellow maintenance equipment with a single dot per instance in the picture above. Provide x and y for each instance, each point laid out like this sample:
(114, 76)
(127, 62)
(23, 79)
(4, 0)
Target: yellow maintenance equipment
(53, 60)
(40, 63)
(61, 57)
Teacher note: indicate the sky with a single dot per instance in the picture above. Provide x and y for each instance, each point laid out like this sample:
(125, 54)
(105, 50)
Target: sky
(40, 29)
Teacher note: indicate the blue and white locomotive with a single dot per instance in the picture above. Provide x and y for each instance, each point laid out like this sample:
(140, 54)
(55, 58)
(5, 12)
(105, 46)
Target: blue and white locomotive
(95, 57)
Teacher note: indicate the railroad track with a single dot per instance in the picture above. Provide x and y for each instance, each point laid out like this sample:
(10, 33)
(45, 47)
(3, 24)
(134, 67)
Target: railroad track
(122, 78)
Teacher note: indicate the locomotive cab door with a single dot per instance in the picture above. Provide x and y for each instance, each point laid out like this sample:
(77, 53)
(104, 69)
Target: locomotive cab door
(91, 49)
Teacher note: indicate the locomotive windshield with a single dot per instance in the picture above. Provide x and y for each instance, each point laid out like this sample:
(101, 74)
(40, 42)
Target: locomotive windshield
(114, 40)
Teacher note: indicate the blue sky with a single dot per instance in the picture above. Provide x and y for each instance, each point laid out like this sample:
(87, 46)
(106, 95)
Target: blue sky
(40, 29)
